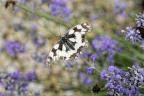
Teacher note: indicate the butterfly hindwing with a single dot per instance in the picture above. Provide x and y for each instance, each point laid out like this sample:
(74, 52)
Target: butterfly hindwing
(71, 44)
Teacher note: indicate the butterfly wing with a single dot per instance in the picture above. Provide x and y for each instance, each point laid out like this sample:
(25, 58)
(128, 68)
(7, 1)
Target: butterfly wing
(76, 37)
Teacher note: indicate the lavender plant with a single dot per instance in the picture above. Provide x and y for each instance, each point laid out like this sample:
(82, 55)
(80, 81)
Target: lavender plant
(134, 34)
(123, 83)
(15, 83)
(14, 48)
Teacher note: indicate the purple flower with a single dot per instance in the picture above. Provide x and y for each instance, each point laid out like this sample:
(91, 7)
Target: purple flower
(34, 28)
(94, 57)
(40, 57)
(86, 54)
(39, 41)
(119, 8)
(31, 76)
(1, 94)
(14, 48)
(88, 82)
(123, 83)
(16, 75)
(136, 34)
(132, 35)
(90, 70)
(82, 76)
(13, 83)
(136, 74)
(105, 46)
(59, 7)
(140, 20)
(66, 11)
(85, 79)
(71, 64)
(104, 75)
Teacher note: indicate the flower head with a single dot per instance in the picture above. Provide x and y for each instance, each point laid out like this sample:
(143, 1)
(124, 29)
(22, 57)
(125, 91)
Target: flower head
(140, 20)
(59, 7)
(94, 57)
(39, 41)
(16, 75)
(31, 76)
(85, 79)
(136, 34)
(132, 35)
(105, 46)
(88, 81)
(90, 70)
(14, 47)
(123, 83)
(40, 57)
(13, 83)
(119, 8)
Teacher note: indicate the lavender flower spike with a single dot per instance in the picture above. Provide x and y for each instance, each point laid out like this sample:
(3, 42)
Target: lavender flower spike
(123, 83)
(132, 35)
(140, 20)
(14, 48)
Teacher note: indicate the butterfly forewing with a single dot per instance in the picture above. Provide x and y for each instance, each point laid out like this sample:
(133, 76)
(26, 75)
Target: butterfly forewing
(71, 44)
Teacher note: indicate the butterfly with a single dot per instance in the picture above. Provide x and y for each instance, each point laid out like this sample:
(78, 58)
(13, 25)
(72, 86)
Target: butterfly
(71, 44)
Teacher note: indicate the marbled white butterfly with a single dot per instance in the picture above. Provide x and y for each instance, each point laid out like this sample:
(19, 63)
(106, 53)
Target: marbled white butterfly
(71, 44)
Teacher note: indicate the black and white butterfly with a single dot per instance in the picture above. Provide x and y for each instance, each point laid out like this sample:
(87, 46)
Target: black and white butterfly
(71, 44)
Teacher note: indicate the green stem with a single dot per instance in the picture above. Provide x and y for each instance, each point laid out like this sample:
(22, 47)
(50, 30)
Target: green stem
(46, 16)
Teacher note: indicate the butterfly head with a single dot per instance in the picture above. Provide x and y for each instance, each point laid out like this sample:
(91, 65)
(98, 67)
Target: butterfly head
(63, 39)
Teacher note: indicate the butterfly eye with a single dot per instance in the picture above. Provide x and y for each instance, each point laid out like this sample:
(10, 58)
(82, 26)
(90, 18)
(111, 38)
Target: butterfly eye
(63, 38)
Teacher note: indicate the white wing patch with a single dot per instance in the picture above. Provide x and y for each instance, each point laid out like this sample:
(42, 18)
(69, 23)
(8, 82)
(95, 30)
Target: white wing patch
(56, 46)
(72, 46)
(71, 31)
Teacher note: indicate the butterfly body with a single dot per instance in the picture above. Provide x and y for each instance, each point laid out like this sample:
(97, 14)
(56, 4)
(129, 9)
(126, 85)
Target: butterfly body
(71, 44)
(67, 43)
